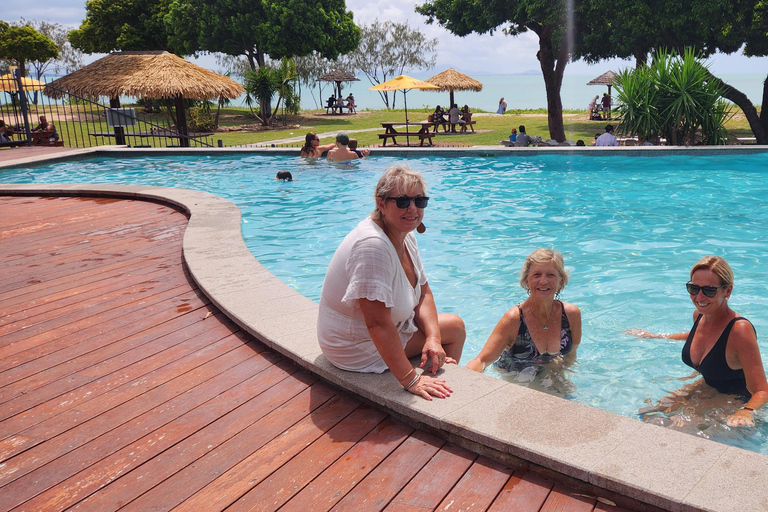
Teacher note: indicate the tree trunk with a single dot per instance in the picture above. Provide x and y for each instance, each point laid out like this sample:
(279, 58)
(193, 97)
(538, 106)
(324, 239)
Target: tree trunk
(756, 122)
(553, 70)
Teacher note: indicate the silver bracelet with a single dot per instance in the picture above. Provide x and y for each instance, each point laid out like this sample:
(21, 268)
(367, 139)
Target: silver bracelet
(414, 381)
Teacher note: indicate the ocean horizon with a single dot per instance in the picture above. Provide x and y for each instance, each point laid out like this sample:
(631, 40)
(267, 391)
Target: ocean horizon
(521, 92)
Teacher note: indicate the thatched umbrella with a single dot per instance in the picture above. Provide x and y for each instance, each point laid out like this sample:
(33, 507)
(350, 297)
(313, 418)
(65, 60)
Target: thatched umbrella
(451, 80)
(157, 75)
(608, 78)
(338, 76)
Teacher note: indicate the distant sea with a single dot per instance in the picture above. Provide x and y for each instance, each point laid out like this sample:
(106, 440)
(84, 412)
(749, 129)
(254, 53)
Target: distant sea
(520, 92)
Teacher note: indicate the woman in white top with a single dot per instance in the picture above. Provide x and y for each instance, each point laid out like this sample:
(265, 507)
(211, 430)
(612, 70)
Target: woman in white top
(376, 307)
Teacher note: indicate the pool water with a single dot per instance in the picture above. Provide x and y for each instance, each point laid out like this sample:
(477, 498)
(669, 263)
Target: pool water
(629, 228)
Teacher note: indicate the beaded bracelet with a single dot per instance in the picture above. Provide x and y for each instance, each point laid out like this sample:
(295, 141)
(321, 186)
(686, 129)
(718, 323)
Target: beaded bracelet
(414, 381)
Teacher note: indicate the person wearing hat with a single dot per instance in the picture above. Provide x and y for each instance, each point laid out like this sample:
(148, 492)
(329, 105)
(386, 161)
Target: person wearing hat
(607, 139)
(342, 152)
(513, 135)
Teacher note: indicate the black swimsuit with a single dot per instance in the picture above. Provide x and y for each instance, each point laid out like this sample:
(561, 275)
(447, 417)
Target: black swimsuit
(523, 350)
(714, 368)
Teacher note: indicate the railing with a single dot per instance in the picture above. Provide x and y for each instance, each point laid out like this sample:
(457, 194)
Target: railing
(85, 122)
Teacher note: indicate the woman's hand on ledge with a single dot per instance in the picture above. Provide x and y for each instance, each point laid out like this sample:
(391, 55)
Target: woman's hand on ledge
(427, 387)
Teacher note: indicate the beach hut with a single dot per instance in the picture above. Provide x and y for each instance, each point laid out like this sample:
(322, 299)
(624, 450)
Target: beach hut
(608, 78)
(338, 76)
(157, 75)
(451, 80)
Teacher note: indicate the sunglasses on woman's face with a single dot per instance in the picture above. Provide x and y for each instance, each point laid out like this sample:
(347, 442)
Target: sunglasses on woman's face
(709, 291)
(404, 202)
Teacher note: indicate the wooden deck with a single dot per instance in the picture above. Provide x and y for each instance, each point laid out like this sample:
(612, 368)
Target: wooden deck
(123, 388)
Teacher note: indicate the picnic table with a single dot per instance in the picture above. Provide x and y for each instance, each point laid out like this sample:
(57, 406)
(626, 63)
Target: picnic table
(403, 129)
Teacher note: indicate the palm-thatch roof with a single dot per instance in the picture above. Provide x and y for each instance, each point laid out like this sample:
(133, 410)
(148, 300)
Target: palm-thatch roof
(451, 80)
(338, 75)
(146, 74)
(608, 78)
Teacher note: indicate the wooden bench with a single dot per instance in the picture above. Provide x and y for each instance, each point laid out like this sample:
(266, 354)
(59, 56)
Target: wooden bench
(13, 143)
(420, 134)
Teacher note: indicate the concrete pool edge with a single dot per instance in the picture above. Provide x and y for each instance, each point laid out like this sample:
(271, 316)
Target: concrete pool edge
(618, 454)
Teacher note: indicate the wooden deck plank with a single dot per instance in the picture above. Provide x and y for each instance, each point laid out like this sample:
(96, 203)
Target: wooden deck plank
(238, 480)
(272, 493)
(523, 492)
(97, 437)
(186, 483)
(428, 488)
(384, 483)
(121, 394)
(333, 484)
(119, 453)
(279, 389)
(563, 500)
(479, 486)
(138, 340)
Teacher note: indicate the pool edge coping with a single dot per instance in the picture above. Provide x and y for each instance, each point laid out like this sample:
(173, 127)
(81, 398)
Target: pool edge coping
(621, 455)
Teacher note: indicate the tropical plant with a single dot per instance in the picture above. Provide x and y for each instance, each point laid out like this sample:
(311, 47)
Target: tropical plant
(675, 97)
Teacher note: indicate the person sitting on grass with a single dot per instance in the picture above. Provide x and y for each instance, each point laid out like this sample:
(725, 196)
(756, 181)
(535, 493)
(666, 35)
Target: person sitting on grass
(513, 135)
(341, 153)
(607, 139)
(523, 139)
(312, 147)
(361, 153)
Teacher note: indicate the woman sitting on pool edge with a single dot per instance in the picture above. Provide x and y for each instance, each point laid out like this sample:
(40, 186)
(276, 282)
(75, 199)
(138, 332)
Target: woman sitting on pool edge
(312, 147)
(376, 306)
(720, 346)
(540, 328)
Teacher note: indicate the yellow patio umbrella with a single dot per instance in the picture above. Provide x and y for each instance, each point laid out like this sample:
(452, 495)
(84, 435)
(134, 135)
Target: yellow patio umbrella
(8, 84)
(403, 83)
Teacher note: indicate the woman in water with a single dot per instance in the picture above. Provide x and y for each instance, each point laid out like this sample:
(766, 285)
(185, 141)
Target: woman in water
(539, 329)
(312, 147)
(721, 345)
(376, 306)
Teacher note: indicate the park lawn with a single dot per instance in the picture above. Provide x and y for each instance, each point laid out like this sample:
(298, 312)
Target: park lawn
(490, 128)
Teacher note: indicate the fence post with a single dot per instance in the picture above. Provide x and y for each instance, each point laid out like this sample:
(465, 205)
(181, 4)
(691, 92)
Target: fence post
(119, 130)
(23, 105)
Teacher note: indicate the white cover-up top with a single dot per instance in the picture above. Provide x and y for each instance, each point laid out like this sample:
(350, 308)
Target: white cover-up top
(366, 265)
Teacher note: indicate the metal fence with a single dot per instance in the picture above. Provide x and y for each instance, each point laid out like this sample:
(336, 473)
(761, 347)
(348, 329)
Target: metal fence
(84, 122)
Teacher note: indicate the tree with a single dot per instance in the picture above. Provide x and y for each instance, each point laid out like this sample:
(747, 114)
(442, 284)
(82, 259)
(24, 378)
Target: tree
(127, 25)
(646, 26)
(387, 49)
(69, 58)
(259, 29)
(22, 44)
(548, 19)
(263, 83)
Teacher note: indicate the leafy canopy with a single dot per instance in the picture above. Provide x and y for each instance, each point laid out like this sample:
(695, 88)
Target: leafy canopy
(256, 28)
(127, 25)
(23, 43)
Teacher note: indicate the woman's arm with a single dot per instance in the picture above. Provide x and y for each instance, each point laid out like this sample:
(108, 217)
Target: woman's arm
(426, 318)
(642, 333)
(744, 343)
(505, 330)
(378, 321)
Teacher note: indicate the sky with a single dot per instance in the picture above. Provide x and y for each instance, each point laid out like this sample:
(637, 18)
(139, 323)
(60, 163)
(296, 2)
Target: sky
(473, 54)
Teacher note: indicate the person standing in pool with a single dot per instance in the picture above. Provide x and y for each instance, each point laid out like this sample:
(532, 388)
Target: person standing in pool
(376, 306)
(312, 147)
(341, 153)
(539, 329)
(721, 345)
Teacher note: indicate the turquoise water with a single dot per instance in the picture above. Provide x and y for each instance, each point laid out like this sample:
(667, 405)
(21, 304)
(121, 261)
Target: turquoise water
(629, 228)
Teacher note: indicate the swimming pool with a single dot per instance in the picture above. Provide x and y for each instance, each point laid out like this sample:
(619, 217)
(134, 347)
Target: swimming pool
(629, 228)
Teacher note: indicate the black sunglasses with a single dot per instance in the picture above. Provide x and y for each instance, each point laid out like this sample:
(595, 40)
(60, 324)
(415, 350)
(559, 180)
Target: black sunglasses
(404, 202)
(709, 291)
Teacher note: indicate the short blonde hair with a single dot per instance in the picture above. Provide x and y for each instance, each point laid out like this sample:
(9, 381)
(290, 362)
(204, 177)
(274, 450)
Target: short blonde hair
(397, 176)
(718, 266)
(544, 256)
